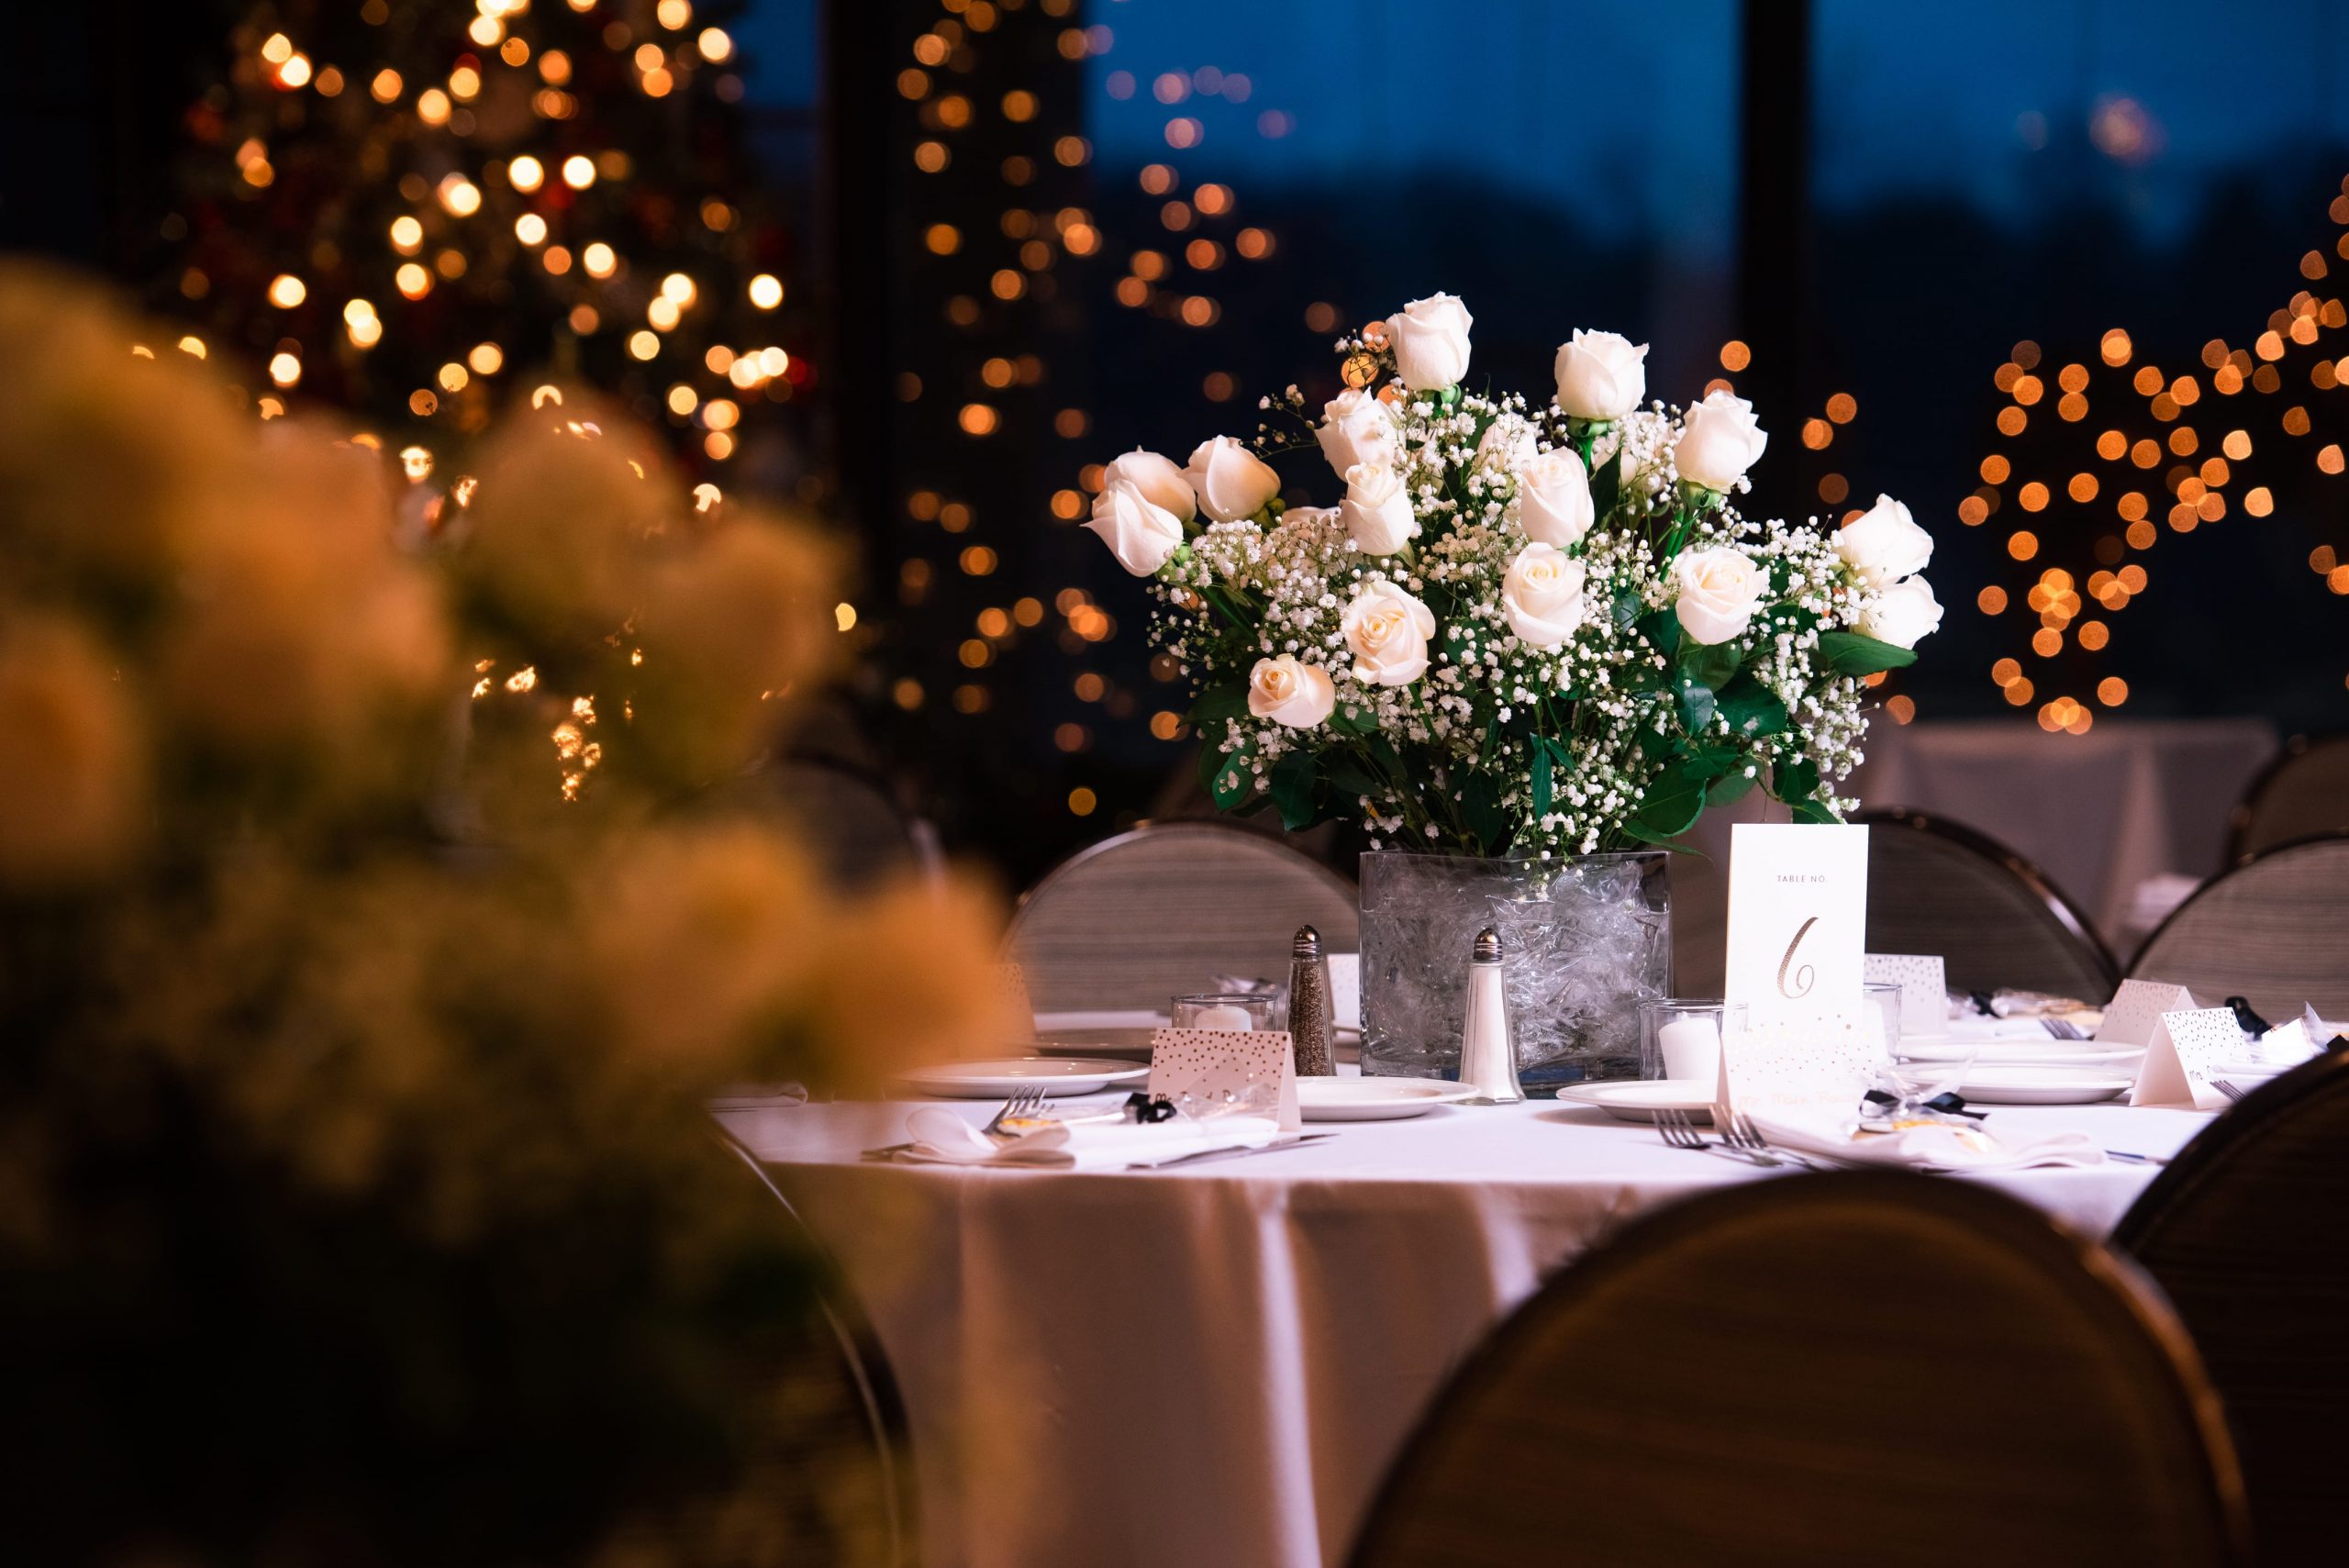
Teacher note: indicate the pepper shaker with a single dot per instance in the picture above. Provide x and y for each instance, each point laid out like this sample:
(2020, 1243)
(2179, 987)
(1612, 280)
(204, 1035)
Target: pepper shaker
(1487, 1060)
(1312, 1016)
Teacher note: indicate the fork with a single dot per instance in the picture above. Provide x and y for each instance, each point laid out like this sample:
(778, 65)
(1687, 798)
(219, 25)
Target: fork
(2231, 1090)
(1027, 1102)
(1679, 1130)
(2064, 1028)
(1739, 1132)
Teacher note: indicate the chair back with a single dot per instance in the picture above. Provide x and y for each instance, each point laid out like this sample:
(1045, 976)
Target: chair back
(2303, 793)
(1935, 886)
(837, 1468)
(1861, 1367)
(846, 818)
(2247, 1232)
(2274, 929)
(1155, 912)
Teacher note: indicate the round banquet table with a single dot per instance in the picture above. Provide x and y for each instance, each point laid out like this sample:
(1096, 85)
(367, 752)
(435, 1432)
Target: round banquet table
(1217, 1364)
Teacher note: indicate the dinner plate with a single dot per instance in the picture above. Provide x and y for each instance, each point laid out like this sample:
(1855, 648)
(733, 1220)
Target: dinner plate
(1002, 1076)
(2016, 1084)
(1640, 1099)
(1374, 1099)
(2020, 1053)
(1132, 1043)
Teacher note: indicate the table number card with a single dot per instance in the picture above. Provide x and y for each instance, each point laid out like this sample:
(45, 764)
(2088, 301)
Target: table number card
(1924, 990)
(1810, 1070)
(1798, 919)
(1217, 1067)
(2181, 1060)
(2136, 1010)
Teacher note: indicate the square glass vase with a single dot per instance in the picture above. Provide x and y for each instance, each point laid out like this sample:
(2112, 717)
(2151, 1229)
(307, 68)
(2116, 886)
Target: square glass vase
(1584, 941)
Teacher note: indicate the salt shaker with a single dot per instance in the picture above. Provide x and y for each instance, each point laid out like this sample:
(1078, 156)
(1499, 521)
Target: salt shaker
(1312, 1018)
(1487, 1062)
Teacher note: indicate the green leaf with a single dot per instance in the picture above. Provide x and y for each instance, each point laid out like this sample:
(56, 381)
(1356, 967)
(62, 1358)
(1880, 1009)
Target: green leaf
(1851, 654)
(1674, 800)
(1626, 608)
(1813, 811)
(1541, 775)
(1348, 775)
(1750, 708)
(1695, 705)
(1480, 808)
(1795, 779)
(1713, 664)
(1728, 788)
(1347, 719)
(1662, 629)
(1218, 704)
(1607, 484)
(1236, 779)
(1292, 789)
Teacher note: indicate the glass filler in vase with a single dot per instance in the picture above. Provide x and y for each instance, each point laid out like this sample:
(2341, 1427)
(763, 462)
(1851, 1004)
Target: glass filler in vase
(1525, 649)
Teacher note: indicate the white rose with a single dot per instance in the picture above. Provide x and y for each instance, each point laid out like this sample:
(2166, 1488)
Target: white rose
(1884, 544)
(1431, 338)
(1378, 511)
(1902, 613)
(1141, 533)
(1160, 483)
(1601, 375)
(1357, 428)
(1554, 498)
(1389, 630)
(1231, 482)
(1542, 596)
(1719, 590)
(1299, 696)
(1719, 441)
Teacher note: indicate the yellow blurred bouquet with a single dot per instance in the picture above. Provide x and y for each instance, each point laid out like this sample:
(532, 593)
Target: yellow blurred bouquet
(366, 953)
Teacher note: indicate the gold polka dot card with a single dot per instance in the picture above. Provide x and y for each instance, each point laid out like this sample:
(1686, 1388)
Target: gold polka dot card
(1210, 1072)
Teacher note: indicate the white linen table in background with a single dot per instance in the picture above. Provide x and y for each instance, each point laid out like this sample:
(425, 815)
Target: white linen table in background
(2100, 812)
(1216, 1364)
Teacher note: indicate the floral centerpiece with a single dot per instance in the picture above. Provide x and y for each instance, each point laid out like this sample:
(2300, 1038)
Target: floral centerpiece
(1526, 631)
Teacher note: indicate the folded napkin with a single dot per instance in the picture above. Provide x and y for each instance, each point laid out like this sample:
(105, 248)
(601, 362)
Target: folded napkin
(940, 1136)
(1931, 1146)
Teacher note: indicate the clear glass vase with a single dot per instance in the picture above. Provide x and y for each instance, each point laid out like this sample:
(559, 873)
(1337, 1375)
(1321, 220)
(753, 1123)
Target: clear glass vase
(1585, 941)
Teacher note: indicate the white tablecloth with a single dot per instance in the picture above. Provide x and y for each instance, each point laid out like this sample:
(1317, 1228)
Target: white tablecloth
(2100, 812)
(1216, 1364)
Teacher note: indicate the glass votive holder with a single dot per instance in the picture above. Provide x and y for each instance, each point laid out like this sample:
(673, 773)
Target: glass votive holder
(1885, 998)
(1680, 1037)
(1234, 1011)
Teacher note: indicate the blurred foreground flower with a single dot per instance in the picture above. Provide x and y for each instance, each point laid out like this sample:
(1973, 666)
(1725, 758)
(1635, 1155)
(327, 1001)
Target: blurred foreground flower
(357, 1202)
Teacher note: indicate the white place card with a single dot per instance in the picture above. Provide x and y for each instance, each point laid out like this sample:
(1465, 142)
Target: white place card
(1798, 919)
(1213, 1068)
(1924, 990)
(1805, 1070)
(2136, 1010)
(2181, 1060)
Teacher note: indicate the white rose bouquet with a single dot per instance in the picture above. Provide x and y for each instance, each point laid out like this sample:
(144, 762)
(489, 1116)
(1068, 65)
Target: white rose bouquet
(1526, 631)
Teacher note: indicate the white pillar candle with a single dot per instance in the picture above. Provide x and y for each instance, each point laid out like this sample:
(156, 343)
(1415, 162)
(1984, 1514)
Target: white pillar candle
(1223, 1016)
(1691, 1047)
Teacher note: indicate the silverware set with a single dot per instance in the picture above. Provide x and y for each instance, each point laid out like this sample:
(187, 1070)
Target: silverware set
(2231, 1090)
(1031, 1102)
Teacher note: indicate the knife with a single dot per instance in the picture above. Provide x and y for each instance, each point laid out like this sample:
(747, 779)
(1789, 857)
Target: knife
(1205, 1154)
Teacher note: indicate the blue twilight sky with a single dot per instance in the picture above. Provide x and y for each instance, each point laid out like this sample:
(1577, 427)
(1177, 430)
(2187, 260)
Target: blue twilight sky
(1624, 112)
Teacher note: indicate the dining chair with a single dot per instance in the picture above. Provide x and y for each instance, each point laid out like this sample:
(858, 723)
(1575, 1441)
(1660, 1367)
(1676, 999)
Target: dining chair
(2302, 794)
(846, 817)
(834, 1474)
(1159, 910)
(2247, 1232)
(1855, 1368)
(1937, 887)
(2274, 930)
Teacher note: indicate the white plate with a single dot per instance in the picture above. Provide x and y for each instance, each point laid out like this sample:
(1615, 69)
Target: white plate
(2019, 1085)
(2022, 1053)
(1640, 1099)
(2244, 1067)
(1004, 1076)
(1374, 1099)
